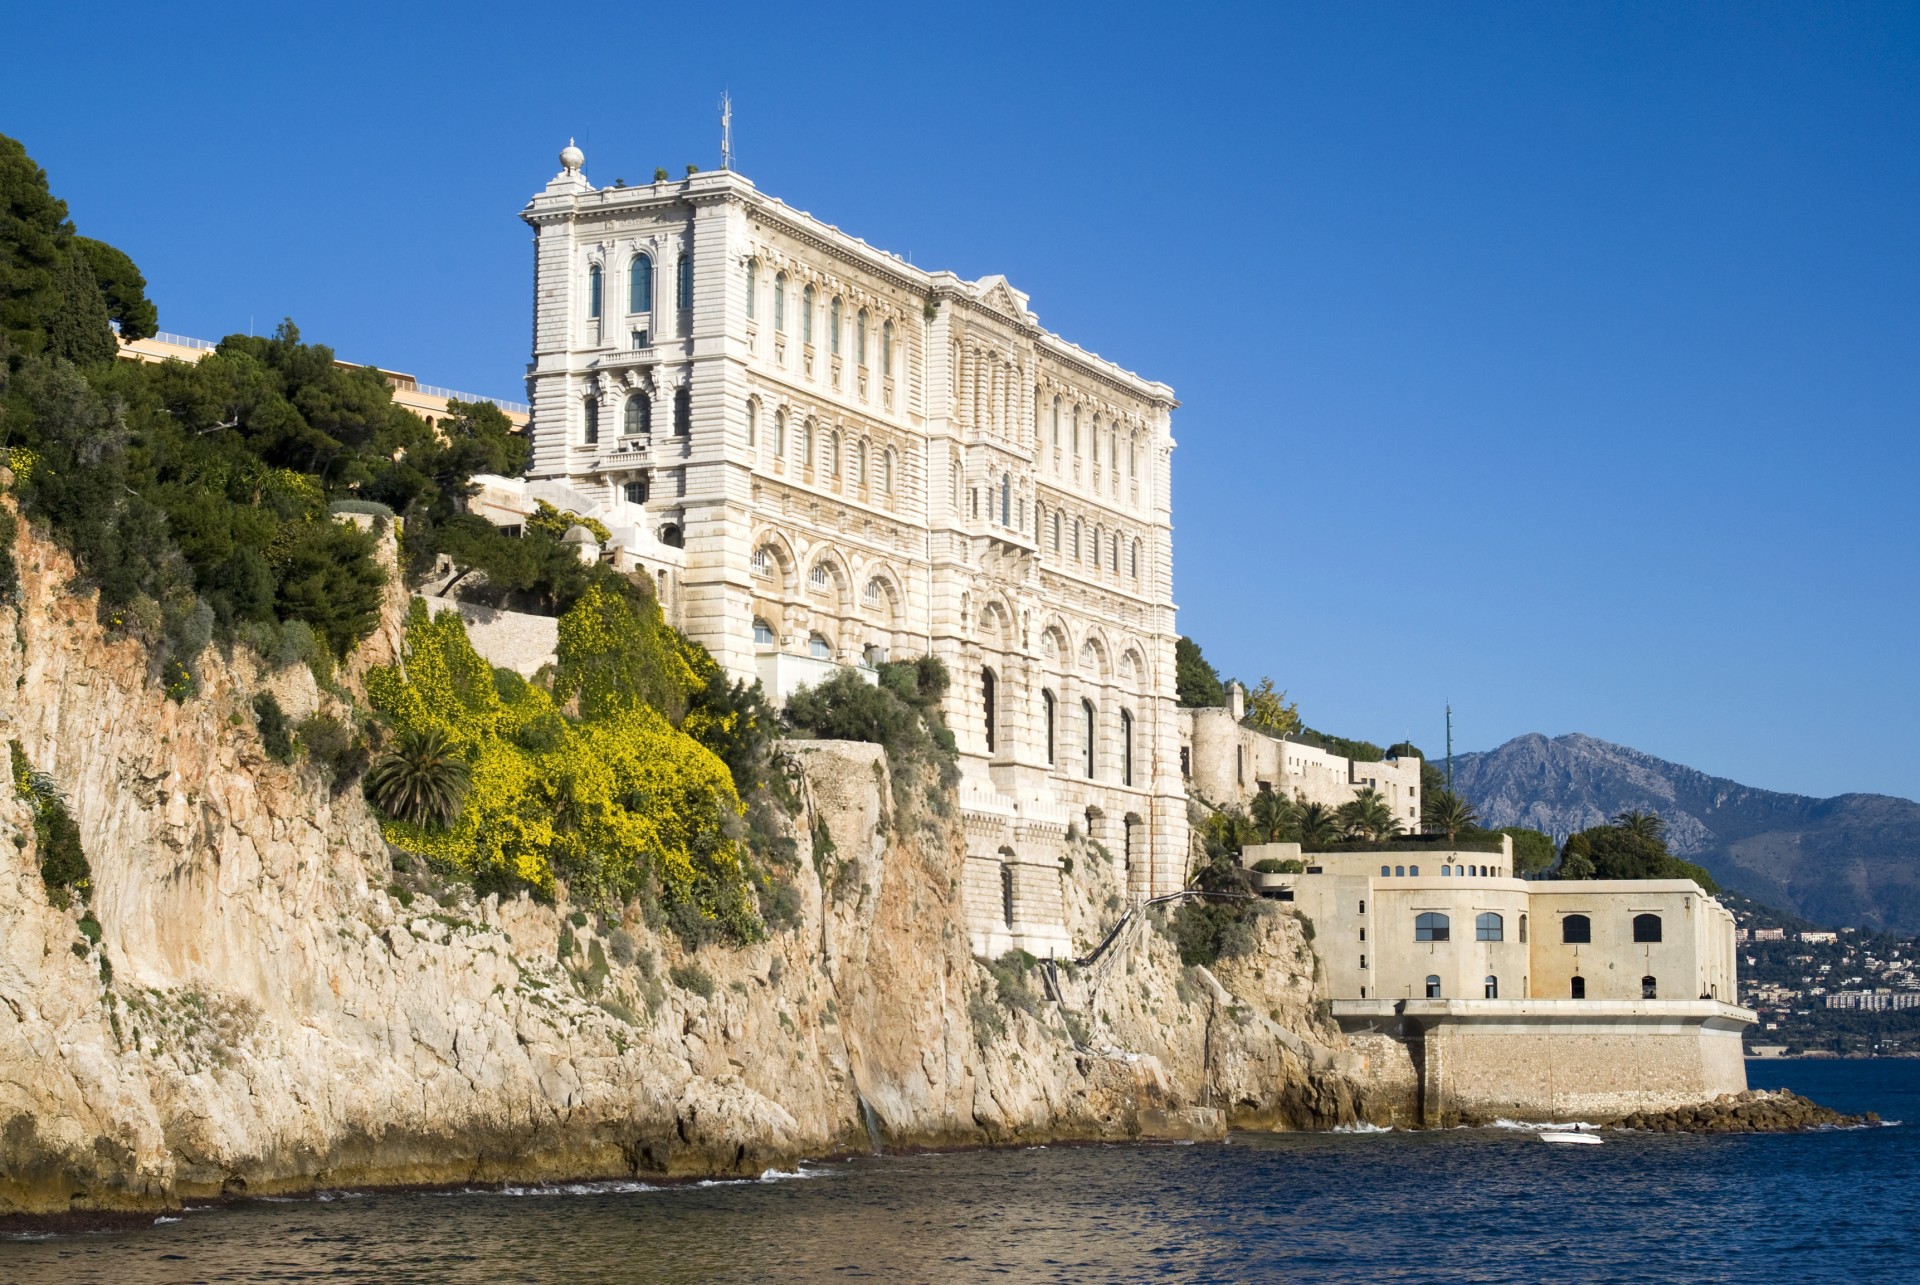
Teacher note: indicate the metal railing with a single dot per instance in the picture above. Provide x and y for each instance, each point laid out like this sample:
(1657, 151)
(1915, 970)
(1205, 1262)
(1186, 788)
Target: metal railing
(433, 390)
(184, 341)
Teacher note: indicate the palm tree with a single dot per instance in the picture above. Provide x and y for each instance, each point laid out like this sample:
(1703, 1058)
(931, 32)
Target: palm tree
(1368, 816)
(1317, 826)
(421, 779)
(1641, 825)
(1273, 816)
(1449, 813)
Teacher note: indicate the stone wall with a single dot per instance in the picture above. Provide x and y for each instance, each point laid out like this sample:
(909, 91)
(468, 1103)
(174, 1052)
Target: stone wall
(513, 640)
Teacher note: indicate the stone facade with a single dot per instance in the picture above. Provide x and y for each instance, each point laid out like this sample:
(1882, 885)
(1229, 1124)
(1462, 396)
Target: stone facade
(825, 455)
(1528, 999)
(1228, 764)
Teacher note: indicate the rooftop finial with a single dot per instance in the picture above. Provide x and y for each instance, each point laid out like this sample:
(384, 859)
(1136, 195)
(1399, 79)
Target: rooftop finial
(726, 130)
(572, 158)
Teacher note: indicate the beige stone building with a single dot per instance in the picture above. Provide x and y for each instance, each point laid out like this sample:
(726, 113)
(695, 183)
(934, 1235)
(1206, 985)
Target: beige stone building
(1525, 998)
(827, 456)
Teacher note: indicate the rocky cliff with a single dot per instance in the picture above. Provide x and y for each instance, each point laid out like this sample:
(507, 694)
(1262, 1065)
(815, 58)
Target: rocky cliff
(1852, 859)
(271, 1006)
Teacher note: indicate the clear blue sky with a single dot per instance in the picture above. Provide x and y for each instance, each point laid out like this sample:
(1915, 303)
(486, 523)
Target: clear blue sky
(1559, 361)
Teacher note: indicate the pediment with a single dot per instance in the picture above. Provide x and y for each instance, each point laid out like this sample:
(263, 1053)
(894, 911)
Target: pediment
(996, 293)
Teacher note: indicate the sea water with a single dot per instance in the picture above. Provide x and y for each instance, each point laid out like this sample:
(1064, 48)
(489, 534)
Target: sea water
(1466, 1204)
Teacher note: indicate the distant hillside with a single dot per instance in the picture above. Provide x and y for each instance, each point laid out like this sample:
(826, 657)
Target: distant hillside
(1853, 859)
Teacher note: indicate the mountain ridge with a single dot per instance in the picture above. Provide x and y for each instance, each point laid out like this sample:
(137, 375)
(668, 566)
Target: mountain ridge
(1848, 859)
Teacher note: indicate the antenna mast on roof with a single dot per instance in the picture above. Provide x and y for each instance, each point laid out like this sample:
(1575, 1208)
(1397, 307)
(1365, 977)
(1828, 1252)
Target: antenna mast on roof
(726, 130)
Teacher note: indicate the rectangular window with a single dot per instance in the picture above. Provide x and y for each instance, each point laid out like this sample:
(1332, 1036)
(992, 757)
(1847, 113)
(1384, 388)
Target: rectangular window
(636, 492)
(686, 281)
(1363, 961)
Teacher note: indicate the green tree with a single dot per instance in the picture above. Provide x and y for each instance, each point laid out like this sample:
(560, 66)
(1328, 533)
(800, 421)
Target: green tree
(1533, 852)
(1448, 813)
(1318, 826)
(1270, 711)
(49, 301)
(422, 779)
(1576, 857)
(1367, 817)
(1645, 827)
(1273, 817)
(1196, 683)
(122, 287)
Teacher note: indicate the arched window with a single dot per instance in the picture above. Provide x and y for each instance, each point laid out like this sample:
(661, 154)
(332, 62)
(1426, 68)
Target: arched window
(1399, 872)
(1649, 988)
(1523, 934)
(806, 315)
(886, 471)
(671, 537)
(833, 455)
(988, 705)
(762, 633)
(684, 275)
(1006, 500)
(1576, 930)
(1487, 926)
(1126, 748)
(1413, 872)
(682, 412)
(833, 326)
(873, 592)
(1076, 539)
(753, 423)
(1113, 454)
(1493, 986)
(1133, 456)
(819, 648)
(886, 349)
(780, 303)
(860, 463)
(639, 415)
(819, 577)
(1076, 430)
(1056, 422)
(592, 408)
(1133, 561)
(860, 338)
(1086, 717)
(1445, 871)
(1432, 926)
(1047, 708)
(780, 434)
(1056, 530)
(1386, 872)
(1646, 928)
(753, 287)
(593, 292)
(1433, 986)
(640, 285)
(1093, 548)
(1113, 553)
(1578, 990)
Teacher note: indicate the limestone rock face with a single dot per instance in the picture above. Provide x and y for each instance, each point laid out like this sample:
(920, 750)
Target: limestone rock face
(272, 1007)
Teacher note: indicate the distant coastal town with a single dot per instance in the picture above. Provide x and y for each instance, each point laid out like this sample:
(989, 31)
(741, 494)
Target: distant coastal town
(1848, 992)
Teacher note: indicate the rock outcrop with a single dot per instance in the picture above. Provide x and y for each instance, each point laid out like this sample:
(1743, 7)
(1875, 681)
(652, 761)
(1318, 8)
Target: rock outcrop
(1755, 1111)
(271, 1006)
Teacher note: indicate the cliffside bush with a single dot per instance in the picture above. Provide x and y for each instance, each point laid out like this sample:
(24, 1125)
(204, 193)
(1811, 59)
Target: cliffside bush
(617, 801)
(900, 713)
(63, 863)
(276, 733)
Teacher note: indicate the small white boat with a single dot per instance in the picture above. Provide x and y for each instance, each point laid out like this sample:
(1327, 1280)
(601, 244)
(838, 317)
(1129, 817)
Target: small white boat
(1568, 1135)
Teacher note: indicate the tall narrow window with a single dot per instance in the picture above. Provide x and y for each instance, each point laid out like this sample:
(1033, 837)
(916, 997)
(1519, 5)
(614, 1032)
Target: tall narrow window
(988, 705)
(1126, 748)
(1493, 987)
(682, 412)
(1133, 561)
(1006, 500)
(1086, 717)
(886, 472)
(860, 338)
(753, 287)
(1133, 456)
(684, 274)
(860, 464)
(886, 349)
(640, 285)
(806, 445)
(833, 455)
(593, 292)
(780, 303)
(1076, 539)
(753, 423)
(806, 315)
(1047, 708)
(1056, 530)
(779, 434)
(639, 415)
(593, 421)
(1076, 430)
(1578, 990)
(1433, 986)
(833, 326)
(1056, 422)
(1649, 988)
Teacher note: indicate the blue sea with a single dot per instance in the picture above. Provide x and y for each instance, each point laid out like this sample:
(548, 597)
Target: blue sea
(1459, 1205)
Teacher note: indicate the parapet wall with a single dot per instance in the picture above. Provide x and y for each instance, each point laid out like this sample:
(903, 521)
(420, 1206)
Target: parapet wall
(1547, 1060)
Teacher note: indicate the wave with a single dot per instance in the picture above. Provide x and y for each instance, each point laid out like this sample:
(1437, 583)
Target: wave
(1361, 1126)
(1534, 1126)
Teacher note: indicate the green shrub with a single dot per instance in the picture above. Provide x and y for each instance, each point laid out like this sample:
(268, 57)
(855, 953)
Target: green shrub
(9, 573)
(691, 977)
(276, 732)
(368, 508)
(334, 748)
(1278, 866)
(63, 863)
(900, 713)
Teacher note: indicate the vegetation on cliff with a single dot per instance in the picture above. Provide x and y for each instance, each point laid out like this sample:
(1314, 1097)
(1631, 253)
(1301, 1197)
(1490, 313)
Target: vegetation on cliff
(1632, 846)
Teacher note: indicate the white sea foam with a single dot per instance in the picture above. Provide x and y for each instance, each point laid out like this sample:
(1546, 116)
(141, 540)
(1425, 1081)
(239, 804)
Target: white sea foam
(165, 1218)
(1531, 1126)
(1361, 1126)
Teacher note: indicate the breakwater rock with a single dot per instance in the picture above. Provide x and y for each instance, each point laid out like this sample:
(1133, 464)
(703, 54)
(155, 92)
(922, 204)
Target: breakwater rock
(1755, 1111)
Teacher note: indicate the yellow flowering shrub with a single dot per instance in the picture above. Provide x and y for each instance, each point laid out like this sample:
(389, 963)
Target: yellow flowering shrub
(617, 802)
